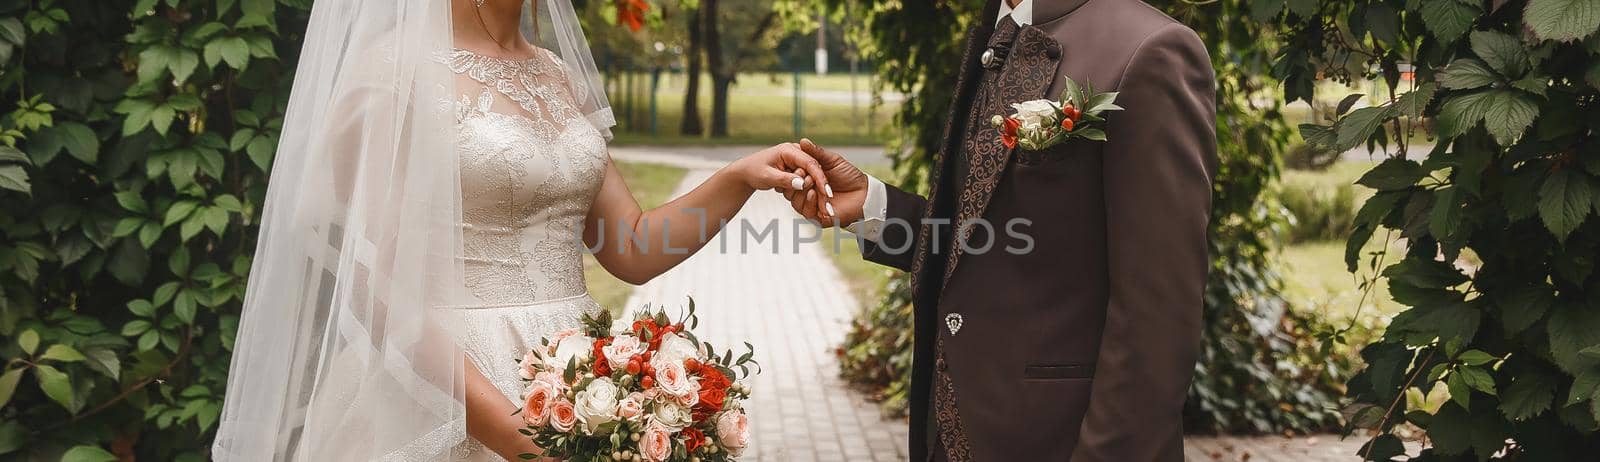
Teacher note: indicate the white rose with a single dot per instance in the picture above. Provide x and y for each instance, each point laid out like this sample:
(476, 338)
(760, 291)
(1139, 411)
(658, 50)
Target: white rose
(597, 403)
(675, 348)
(620, 326)
(1034, 114)
(672, 415)
(621, 349)
(572, 347)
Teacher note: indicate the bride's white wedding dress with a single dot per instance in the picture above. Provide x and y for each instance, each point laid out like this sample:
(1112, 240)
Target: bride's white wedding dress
(531, 165)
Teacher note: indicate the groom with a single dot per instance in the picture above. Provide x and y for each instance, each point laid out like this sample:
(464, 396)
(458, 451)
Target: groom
(1057, 292)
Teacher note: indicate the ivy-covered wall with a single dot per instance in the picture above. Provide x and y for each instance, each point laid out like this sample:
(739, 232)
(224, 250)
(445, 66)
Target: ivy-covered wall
(1497, 356)
(135, 142)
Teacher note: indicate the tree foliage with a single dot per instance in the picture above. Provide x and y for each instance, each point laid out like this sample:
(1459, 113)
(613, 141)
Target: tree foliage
(133, 168)
(1261, 369)
(1498, 219)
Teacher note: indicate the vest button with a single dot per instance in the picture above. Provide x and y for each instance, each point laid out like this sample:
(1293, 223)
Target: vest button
(988, 57)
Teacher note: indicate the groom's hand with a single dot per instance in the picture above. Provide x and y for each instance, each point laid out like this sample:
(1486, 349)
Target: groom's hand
(847, 184)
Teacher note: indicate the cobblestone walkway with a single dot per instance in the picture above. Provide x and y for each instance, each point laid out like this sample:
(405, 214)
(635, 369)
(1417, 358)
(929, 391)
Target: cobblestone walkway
(787, 299)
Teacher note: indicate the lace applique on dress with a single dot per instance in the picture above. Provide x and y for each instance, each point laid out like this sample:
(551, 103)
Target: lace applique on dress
(531, 165)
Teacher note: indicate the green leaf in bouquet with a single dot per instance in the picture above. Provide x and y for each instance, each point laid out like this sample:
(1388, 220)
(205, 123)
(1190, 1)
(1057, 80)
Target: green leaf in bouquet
(571, 373)
(1102, 102)
(1091, 134)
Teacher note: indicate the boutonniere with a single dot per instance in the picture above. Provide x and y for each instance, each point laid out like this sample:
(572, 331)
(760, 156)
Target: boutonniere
(1042, 123)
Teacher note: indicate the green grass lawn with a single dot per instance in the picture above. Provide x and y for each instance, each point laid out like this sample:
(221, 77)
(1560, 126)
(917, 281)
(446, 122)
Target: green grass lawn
(760, 111)
(652, 185)
(1315, 280)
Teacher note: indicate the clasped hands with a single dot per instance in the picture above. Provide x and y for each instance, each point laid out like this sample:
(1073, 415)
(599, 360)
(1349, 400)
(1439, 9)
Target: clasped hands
(821, 185)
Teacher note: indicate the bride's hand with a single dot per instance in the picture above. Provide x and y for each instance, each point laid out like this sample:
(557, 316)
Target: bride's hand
(774, 167)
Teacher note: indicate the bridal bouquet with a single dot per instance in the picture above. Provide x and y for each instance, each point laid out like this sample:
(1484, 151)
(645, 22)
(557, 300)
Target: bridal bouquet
(645, 389)
(1043, 123)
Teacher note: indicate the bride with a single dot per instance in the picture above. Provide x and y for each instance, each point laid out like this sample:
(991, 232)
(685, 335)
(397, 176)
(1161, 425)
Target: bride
(442, 167)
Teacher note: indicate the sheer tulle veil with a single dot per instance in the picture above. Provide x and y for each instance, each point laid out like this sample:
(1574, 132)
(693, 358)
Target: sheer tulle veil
(342, 352)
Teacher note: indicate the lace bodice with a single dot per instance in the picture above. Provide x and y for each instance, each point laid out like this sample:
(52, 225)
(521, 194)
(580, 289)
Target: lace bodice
(531, 165)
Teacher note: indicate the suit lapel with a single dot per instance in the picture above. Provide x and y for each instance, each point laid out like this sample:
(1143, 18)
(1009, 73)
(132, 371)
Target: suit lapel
(977, 36)
(1027, 76)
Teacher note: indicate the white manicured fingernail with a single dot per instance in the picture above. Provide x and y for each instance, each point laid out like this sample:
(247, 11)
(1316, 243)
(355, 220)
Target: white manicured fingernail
(797, 183)
(829, 189)
(830, 209)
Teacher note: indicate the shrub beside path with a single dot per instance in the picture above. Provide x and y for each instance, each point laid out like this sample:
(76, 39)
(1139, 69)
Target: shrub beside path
(786, 298)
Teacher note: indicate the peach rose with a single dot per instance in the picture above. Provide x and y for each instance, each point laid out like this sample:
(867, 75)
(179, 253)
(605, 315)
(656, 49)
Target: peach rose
(536, 410)
(562, 416)
(621, 349)
(656, 443)
(673, 380)
(733, 431)
(631, 407)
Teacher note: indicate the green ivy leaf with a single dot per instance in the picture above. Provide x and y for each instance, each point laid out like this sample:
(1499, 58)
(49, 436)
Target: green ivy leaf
(1393, 174)
(14, 178)
(87, 454)
(80, 141)
(182, 65)
(1573, 328)
(1562, 20)
(1467, 74)
(184, 306)
(1445, 218)
(1476, 358)
(1384, 23)
(235, 51)
(62, 353)
(1425, 273)
(1303, 8)
(8, 384)
(1585, 386)
(56, 385)
(1520, 308)
(1450, 428)
(179, 211)
(1564, 202)
(1356, 128)
(1477, 378)
(1448, 19)
(104, 361)
(1265, 10)
(1505, 113)
(11, 30)
(1501, 51)
(1529, 395)
(1415, 102)
(29, 341)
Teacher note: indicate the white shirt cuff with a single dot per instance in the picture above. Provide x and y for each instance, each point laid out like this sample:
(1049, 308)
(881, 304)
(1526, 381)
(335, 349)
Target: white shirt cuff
(873, 212)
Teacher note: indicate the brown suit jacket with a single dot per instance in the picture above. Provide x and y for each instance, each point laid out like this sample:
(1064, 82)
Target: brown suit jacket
(1082, 348)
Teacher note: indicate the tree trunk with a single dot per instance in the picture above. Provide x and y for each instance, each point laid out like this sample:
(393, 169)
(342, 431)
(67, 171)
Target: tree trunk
(690, 124)
(722, 73)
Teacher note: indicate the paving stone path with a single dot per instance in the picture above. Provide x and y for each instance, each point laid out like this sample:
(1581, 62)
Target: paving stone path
(788, 299)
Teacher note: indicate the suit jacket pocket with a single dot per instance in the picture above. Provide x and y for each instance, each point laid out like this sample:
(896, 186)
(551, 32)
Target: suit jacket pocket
(1057, 372)
(1054, 154)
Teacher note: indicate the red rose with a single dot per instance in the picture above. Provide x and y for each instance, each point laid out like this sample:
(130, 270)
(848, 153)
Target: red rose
(1066, 124)
(647, 382)
(693, 439)
(711, 402)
